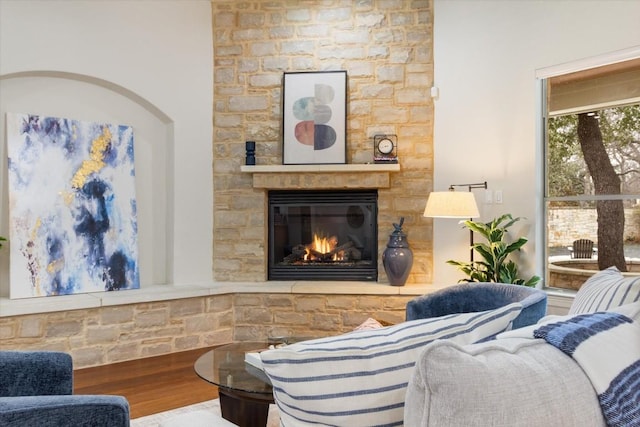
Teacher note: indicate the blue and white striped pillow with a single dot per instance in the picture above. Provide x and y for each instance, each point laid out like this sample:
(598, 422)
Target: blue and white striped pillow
(360, 378)
(605, 290)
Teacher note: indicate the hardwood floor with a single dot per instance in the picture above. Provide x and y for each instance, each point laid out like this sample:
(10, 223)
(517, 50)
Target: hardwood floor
(151, 385)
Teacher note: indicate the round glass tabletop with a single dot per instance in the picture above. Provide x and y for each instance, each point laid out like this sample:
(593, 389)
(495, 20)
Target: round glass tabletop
(225, 367)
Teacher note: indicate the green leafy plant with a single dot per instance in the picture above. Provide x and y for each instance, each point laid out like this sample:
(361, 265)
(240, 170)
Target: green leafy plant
(2, 239)
(495, 267)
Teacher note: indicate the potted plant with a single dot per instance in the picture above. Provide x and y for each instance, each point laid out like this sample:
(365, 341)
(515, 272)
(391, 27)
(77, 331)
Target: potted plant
(495, 266)
(2, 239)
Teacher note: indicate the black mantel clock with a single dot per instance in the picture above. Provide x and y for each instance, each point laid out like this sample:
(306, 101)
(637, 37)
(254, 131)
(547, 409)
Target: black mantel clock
(385, 148)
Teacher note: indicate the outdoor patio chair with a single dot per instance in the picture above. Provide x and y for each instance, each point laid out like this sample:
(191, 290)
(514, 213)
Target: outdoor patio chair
(582, 248)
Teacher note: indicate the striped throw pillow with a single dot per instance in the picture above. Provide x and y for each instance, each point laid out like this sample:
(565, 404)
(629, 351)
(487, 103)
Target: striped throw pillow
(360, 378)
(605, 290)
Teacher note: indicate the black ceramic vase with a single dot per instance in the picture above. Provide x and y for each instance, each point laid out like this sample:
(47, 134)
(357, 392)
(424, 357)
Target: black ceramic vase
(250, 147)
(397, 258)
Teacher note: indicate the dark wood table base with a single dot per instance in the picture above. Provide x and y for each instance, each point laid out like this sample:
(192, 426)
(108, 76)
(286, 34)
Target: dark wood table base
(244, 409)
(244, 396)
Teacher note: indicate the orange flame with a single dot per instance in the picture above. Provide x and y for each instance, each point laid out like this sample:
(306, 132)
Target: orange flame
(323, 245)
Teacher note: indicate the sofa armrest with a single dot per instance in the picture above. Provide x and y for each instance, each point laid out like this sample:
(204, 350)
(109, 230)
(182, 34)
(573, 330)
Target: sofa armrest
(35, 373)
(63, 411)
(514, 382)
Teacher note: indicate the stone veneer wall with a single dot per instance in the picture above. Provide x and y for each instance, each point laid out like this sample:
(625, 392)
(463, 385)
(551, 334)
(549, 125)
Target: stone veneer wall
(99, 336)
(258, 316)
(386, 48)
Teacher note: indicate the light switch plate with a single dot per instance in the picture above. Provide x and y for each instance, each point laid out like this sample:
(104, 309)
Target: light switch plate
(488, 197)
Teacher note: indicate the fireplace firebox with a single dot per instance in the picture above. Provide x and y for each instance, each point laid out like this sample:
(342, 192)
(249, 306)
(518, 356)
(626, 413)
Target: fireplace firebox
(323, 235)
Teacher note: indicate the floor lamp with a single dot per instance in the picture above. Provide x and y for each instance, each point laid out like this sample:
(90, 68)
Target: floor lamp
(455, 204)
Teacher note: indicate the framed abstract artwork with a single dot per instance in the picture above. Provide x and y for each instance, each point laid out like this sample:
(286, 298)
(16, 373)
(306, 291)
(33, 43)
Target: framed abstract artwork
(314, 117)
(72, 206)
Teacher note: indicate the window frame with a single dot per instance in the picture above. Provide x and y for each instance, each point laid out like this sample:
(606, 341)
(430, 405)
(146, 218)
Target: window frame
(542, 80)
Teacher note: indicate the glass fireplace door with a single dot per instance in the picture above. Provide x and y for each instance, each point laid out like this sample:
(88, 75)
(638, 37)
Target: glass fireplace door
(323, 235)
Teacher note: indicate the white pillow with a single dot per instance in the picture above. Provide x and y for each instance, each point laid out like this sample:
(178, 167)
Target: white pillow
(605, 290)
(360, 378)
(368, 324)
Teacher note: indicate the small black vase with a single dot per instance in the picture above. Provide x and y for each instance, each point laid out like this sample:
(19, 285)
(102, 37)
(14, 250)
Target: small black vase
(250, 147)
(397, 258)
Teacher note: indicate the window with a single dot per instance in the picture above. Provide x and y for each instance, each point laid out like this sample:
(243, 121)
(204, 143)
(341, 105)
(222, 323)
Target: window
(592, 172)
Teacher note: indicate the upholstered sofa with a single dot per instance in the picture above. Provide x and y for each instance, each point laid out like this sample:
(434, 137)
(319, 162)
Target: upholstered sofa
(536, 376)
(36, 390)
(464, 369)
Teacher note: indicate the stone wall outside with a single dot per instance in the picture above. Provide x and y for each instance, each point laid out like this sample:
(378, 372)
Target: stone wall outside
(105, 335)
(567, 225)
(386, 48)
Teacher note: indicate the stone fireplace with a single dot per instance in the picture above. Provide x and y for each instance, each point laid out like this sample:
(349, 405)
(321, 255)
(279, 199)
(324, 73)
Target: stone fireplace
(243, 246)
(322, 235)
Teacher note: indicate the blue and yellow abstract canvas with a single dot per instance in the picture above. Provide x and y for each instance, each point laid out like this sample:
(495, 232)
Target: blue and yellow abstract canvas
(72, 206)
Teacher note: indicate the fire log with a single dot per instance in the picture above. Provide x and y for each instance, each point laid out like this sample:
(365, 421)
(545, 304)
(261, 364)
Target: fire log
(297, 254)
(327, 256)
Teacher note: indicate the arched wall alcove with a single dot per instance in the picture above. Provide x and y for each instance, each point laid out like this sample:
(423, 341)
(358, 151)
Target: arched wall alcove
(82, 97)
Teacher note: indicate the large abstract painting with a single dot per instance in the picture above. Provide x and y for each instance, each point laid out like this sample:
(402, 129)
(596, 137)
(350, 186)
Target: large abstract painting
(73, 226)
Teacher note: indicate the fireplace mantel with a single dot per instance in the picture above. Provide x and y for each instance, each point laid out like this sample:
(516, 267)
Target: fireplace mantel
(337, 176)
(353, 167)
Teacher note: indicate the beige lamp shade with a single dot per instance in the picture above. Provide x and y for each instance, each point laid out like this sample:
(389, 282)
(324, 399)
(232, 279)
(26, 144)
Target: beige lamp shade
(451, 204)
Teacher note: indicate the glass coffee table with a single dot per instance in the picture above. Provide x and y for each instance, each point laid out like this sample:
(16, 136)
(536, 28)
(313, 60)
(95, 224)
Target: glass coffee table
(244, 391)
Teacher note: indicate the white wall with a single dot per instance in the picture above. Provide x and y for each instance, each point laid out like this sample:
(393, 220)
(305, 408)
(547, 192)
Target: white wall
(144, 63)
(486, 54)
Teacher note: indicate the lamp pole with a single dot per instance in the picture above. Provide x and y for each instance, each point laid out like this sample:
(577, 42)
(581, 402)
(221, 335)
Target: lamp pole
(470, 187)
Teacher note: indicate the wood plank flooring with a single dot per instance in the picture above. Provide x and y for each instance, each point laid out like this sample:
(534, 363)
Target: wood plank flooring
(151, 385)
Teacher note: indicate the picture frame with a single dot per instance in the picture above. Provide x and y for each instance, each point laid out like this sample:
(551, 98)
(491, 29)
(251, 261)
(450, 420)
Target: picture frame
(314, 117)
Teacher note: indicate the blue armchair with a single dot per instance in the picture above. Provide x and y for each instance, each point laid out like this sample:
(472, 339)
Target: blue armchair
(472, 297)
(36, 389)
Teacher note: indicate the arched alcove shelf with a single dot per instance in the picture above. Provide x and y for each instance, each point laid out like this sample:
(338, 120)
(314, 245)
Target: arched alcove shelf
(88, 98)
